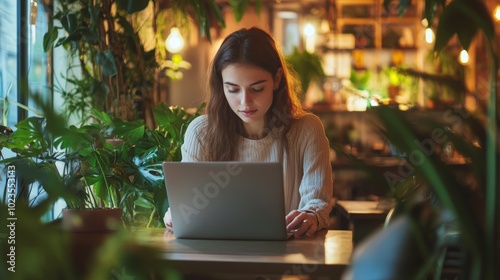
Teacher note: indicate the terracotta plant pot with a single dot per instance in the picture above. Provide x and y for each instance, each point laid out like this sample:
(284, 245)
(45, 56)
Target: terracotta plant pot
(88, 230)
(92, 220)
(393, 93)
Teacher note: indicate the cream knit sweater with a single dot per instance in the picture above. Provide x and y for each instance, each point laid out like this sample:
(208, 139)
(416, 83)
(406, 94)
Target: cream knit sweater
(306, 168)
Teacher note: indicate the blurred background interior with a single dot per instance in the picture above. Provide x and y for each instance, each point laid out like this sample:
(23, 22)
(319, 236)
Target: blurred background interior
(124, 58)
(368, 55)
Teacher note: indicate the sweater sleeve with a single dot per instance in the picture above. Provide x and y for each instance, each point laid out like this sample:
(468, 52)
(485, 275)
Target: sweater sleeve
(191, 149)
(316, 187)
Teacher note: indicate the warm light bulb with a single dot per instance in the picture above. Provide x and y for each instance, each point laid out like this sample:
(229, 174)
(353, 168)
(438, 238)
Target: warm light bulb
(425, 22)
(429, 36)
(496, 13)
(464, 57)
(174, 42)
(310, 37)
(309, 30)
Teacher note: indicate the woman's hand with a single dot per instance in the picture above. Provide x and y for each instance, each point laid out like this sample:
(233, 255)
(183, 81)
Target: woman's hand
(302, 223)
(167, 219)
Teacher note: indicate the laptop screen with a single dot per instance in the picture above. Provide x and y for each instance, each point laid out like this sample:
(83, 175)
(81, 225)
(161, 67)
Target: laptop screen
(226, 200)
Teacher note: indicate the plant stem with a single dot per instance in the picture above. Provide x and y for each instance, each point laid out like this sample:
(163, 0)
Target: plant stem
(92, 200)
(151, 217)
(113, 202)
(38, 114)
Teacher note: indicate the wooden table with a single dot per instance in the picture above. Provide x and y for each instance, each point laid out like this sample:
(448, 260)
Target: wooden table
(327, 255)
(363, 216)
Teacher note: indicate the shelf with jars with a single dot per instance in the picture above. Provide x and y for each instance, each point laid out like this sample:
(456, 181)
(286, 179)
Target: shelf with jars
(368, 43)
(377, 27)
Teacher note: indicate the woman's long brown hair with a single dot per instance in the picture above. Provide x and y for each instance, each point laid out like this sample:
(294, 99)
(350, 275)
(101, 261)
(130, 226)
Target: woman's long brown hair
(252, 47)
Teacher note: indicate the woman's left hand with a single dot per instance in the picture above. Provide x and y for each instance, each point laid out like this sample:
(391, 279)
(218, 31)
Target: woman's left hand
(302, 223)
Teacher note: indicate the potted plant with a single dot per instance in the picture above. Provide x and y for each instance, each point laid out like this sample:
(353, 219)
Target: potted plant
(400, 84)
(360, 78)
(125, 178)
(118, 162)
(394, 83)
(308, 67)
(105, 187)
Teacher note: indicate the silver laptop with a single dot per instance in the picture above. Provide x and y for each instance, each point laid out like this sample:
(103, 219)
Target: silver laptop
(226, 200)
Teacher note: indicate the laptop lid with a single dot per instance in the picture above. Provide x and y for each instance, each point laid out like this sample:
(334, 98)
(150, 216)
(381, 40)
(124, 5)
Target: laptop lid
(226, 200)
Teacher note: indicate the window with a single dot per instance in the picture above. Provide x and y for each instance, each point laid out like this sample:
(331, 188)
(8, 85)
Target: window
(8, 62)
(24, 71)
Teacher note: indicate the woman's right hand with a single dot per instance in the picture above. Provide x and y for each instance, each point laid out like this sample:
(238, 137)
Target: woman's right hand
(167, 219)
(302, 223)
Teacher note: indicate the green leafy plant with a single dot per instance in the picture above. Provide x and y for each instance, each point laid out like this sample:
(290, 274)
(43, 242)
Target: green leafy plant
(135, 163)
(472, 202)
(394, 76)
(360, 79)
(308, 67)
(116, 69)
(112, 60)
(94, 173)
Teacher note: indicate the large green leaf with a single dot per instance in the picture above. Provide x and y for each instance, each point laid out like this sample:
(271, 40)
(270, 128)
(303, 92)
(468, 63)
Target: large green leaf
(203, 18)
(92, 178)
(49, 38)
(206, 14)
(457, 21)
(239, 7)
(218, 14)
(479, 14)
(161, 202)
(144, 202)
(132, 6)
(438, 176)
(431, 7)
(152, 174)
(102, 116)
(100, 189)
(463, 18)
(170, 120)
(28, 131)
(446, 29)
(130, 131)
(51, 179)
(150, 168)
(74, 138)
(70, 22)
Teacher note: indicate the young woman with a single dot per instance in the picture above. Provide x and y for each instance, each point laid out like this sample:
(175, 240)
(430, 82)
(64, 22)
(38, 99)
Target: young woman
(253, 114)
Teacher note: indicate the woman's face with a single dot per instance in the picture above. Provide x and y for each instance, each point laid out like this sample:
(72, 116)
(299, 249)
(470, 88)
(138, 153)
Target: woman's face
(249, 92)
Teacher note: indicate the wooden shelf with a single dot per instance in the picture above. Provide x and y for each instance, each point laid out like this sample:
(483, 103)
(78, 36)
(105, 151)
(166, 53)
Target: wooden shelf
(378, 29)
